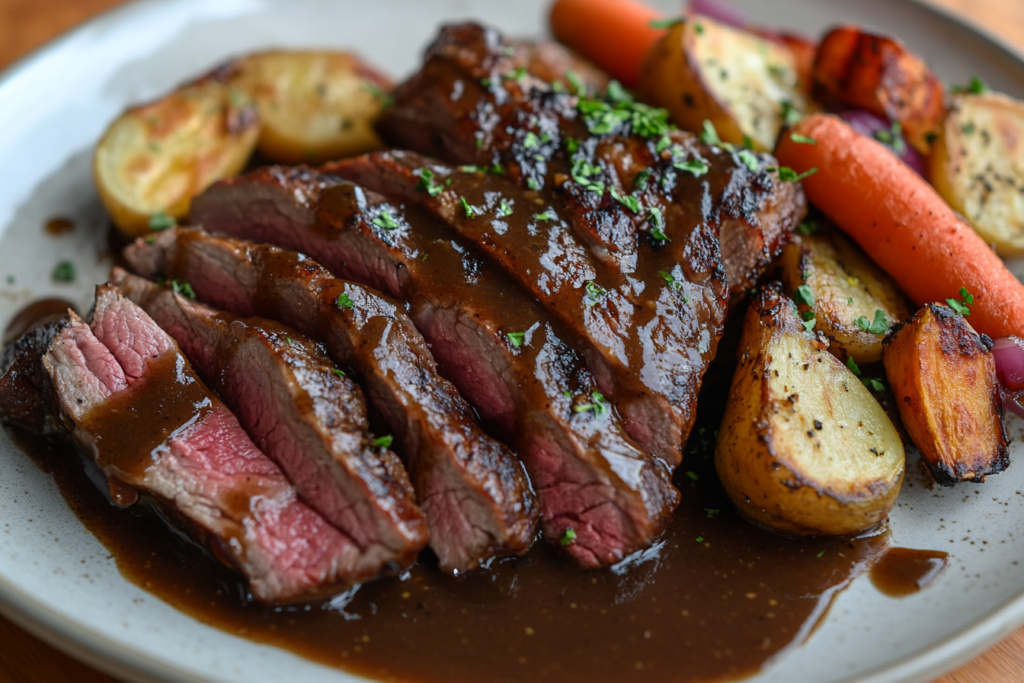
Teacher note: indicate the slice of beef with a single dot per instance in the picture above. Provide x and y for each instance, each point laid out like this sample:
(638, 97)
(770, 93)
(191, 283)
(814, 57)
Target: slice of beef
(496, 343)
(475, 495)
(648, 332)
(469, 104)
(302, 412)
(24, 395)
(129, 399)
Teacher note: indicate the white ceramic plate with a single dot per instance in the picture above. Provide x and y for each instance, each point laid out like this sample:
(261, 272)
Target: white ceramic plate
(60, 583)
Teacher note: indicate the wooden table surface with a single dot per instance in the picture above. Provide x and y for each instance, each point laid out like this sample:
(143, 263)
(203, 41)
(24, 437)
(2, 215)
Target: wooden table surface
(26, 24)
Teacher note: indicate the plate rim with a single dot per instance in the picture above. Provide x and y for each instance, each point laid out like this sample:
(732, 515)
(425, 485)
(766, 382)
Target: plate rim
(126, 662)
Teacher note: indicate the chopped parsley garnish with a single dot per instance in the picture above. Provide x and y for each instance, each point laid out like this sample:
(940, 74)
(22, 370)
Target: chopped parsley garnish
(641, 179)
(599, 406)
(183, 288)
(968, 128)
(289, 340)
(711, 512)
(516, 75)
(852, 365)
(532, 184)
(610, 116)
(497, 169)
(665, 23)
(873, 384)
(778, 72)
(749, 158)
(568, 538)
(516, 339)
(64, 272)
(808, 227)
(657, 224)
(700, 539)
(699, 28)
(546, 216)
(790, 114)
(485, 82)
(583, 174)
(664, 142)
(344, 301)
(790, 176)
(877, 326)
(472, 169)
(963, 305)
(809, 320)
(576, 82)
(802, 139)
(616, 93)
(469, 210)
(976, 87)
(804, 295)
(694, 166)
(594, 292)
(572, 145)
(384, 98)
(670, 280)
(748, 142)
(382, 441)
(427, 184)
(692, 475)
(161, 221)
(504, 210)
(339, 373)
(531, 141)
(709, 136)
(892, 138)
(629, 201)
(385, 221)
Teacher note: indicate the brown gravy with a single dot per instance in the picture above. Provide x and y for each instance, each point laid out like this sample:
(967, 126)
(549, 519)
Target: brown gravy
(36, 313)
(904, 571)
(715, 598)
(59, 226)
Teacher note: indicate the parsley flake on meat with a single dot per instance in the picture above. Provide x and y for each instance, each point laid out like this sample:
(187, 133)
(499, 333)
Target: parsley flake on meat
(598, 405)
(629, 201)
(568, 538)
(183, 288)
(161, 221)
(516, 339)
(344, 301)
(382, 442)
(467, 208)
(385, 221)
(427, 184)
(504, 210)
(594, 292)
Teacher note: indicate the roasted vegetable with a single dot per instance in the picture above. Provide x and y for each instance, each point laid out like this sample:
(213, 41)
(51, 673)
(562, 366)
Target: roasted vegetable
(745, 85)
(803, 448)
(943, 375)
(977, 166)
(155, 158)
(877, 72)
(314, 106)
(853, 300)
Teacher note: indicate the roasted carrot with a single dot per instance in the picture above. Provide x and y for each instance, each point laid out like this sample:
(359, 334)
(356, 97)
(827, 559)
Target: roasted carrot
(614, 34)
(902, 223)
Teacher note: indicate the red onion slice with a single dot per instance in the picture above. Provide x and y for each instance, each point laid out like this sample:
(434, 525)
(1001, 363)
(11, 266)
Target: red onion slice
(719, 10)
(878, 127)
(1014, 402)
(1009, 354)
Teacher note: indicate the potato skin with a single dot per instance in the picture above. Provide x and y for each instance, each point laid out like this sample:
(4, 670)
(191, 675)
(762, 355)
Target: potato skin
(977, 165)
(803, 447)
(876, 72)
(847, 285)
(154, 158)
(703, 70)
(943, 375)
(315, 106)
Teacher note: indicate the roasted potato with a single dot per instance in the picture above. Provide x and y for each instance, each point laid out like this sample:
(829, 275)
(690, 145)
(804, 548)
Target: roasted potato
(943, 375)
(848, 291)
(314, 106)
(156, 157)
(876, 72)
(742, 83)
(977, 165)
(803, 448)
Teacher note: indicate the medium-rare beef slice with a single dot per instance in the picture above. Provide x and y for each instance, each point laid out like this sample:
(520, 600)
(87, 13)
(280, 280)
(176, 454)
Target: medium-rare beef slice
(648, 333)
(303, 413)
(471, 104)
(468, 315)
(473, 491)
(129, 398)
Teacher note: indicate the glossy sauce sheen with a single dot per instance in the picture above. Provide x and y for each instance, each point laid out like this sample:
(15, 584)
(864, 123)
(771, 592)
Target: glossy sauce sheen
(715, 598)
(905, 571)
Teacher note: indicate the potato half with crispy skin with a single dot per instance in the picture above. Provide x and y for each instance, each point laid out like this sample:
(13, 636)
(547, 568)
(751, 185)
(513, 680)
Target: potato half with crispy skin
(803, 448)
(849, 290)
(314, 106)
(743, 83)
(156, 157)
(878, 73)
(977, 166)
(943, 375)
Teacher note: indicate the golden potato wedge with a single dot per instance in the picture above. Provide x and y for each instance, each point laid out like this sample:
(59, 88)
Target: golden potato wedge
(943, 375)
(742, 83)
(803, 448)
(876, 72)
(314, 106)
(977, 165)
(848, 289)
(156, 157)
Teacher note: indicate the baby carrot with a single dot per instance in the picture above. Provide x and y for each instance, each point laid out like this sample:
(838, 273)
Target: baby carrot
(902, 223)
(614, 34)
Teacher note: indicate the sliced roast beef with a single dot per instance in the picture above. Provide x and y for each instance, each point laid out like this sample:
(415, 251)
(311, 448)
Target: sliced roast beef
(130, 399)
(475, 495)
(494, 341)
(302, 412)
